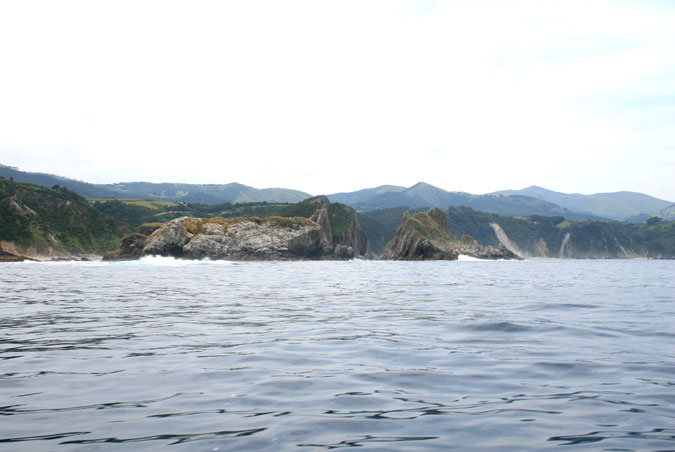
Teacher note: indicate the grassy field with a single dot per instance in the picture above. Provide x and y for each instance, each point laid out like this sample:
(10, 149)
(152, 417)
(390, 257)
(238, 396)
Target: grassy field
(147, 203)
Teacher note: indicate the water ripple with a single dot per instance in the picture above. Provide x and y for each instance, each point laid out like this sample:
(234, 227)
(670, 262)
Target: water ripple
(171, 437)
(273, 356)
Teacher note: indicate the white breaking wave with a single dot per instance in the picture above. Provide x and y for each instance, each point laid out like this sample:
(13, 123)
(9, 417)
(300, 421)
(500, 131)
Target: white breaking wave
(464, 257)
(173, 262)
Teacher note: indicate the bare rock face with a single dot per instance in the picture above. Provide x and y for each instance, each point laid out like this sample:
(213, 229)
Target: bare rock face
(344, 238)
(252, 238)
(331, 231)
(424, 236)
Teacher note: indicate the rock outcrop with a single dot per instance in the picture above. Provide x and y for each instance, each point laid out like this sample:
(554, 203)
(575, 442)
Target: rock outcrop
(342, 232)
(320, 230)
(425, 236)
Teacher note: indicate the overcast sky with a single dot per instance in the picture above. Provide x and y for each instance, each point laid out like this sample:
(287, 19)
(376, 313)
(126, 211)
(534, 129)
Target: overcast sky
(477, 96)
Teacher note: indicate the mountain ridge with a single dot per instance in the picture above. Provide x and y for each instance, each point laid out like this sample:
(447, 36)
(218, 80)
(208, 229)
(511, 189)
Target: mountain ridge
(621, 205)
(169, 191)
(423, 194)
(532, 200)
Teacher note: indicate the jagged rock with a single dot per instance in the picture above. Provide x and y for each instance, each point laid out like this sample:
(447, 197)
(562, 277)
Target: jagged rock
(424, 236)
(238, 239)
(131, 247)
(343, 236)
(9, 257)
(332, 231)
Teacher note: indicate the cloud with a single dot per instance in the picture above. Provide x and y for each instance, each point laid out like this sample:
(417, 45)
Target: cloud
(339, 95)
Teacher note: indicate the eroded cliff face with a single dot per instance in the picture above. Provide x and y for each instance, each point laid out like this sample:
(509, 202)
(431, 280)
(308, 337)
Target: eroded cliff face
(424, 236)
(329, 233)
(342, 232)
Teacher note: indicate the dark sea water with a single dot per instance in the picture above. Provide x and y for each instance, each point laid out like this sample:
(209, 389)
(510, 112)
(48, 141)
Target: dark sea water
(534, 355)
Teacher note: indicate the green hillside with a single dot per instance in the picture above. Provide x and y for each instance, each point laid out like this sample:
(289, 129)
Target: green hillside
(541, 236)
(339, 215)
(135, 212)
(53, 221)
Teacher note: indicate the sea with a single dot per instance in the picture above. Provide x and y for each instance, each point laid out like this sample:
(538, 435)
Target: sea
(171, 355)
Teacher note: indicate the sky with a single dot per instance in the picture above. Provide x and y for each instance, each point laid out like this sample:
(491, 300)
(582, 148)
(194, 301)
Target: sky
(324, 97)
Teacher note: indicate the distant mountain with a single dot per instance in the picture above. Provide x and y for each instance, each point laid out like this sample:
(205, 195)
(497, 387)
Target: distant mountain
(204, 193)
(359, 196)
(49, 180)
(622, 205)
(668, 213)
(192, 193)
(426, 195)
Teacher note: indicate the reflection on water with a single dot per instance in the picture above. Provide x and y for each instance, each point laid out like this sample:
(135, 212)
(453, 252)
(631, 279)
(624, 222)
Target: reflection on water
(273, 356)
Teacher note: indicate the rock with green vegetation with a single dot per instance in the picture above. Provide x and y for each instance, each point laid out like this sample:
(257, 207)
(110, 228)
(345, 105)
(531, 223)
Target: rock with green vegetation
(380, 226)
(131, 246)
(49, 223)
(425, 236)
(342, 232)
(421, 237)
(313, 229)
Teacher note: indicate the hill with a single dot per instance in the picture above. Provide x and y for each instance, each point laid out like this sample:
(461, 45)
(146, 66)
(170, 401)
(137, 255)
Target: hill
(359, 196)
(135, 212)
(533, 200)
(622, 205)
(41, 222)
(425, 195)
(538, 235)
(204, 193)
(192, 193)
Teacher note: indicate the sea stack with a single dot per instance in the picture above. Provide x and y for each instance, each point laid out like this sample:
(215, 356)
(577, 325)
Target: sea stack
(425, 236)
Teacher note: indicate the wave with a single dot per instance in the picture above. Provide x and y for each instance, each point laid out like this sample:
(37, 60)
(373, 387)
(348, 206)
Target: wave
(173, 262)
(55, 262)
(463, 257)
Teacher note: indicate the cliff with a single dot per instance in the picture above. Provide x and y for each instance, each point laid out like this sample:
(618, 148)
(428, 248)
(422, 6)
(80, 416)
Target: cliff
(425, 236)
(317, 229)
(43, 223)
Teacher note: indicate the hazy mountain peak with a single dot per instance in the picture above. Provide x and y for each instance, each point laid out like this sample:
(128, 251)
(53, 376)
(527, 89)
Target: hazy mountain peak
(622, 205)
(424, 185)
